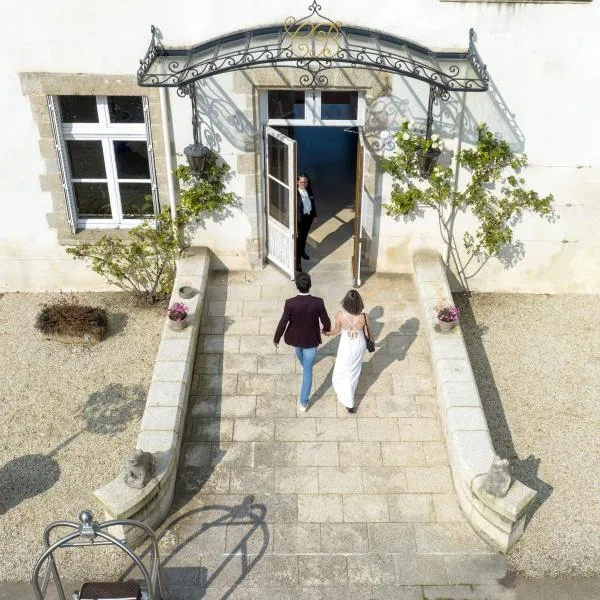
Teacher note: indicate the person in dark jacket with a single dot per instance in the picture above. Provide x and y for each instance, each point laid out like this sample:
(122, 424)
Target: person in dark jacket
(306, 215)
(300, 322)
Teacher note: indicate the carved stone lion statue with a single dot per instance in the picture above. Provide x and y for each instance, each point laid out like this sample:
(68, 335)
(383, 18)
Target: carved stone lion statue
(138, 469)
(498, 479)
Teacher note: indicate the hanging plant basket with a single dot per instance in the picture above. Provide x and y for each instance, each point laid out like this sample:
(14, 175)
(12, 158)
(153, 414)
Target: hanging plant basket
(427, 160)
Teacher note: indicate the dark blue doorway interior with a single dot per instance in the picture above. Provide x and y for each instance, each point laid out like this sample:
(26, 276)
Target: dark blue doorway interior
(328, 156)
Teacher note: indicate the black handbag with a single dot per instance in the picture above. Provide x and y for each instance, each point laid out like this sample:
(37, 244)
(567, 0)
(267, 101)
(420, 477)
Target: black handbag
(367, 333)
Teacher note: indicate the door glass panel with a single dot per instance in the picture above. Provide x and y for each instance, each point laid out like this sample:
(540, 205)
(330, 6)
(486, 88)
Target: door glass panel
(279, 203)
(339, 106)
(86, 159)
(132, 160)
(78, 109)
(93, 201)
(125, 109)
(287, 130)
(286, 104)
(136, 200)
(278, 159)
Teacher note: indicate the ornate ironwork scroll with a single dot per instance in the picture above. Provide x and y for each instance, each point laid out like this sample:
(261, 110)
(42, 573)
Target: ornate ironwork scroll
(314, 44)
(155, 49)
(436, 95)
(475, 60)
(309, 39)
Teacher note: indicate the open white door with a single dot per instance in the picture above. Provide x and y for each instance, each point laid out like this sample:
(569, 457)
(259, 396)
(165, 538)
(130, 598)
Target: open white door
(280, 169)
(358, 208)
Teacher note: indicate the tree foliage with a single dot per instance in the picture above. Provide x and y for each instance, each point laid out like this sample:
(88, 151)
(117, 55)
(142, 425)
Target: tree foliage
(144, 263)
(494, 193)
(203, 196)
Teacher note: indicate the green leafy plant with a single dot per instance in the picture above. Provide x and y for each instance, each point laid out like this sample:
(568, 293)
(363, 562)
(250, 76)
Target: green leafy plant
(494, 194)
(144, 263)
(205, 195)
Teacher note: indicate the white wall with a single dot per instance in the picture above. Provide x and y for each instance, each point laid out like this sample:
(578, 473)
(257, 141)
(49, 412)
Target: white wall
(542, 59)
(539, 61)
(226, 238)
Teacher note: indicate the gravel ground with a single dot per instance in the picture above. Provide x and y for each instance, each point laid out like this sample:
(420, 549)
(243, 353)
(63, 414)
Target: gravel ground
(536, 359)
(69, 413)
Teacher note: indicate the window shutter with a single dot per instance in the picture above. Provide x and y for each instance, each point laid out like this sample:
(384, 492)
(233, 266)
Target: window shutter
(63, 163)
(150, 154)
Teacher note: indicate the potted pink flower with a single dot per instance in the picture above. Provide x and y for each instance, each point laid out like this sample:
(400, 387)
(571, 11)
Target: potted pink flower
(177, 314)
(447, 315)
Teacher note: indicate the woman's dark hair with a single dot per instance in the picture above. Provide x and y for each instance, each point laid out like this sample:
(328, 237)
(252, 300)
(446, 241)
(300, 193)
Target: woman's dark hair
(353, 303)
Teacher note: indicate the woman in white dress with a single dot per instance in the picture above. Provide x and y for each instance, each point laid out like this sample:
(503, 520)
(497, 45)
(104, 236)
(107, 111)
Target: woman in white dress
(349, 322)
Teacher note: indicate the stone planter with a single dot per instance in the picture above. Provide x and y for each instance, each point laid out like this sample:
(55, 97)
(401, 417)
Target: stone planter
(178, 325)
(186, 292)
(446, 326)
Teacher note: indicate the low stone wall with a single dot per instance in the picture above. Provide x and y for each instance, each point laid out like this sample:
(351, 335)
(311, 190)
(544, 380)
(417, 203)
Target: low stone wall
(163, 421)
(500, 521)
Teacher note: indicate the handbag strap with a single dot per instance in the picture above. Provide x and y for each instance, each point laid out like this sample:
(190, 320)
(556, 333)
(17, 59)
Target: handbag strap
(366, 326)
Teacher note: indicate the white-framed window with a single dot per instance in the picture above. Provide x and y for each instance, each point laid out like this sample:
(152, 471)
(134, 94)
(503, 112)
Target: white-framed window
(106, 161)
(333, 108)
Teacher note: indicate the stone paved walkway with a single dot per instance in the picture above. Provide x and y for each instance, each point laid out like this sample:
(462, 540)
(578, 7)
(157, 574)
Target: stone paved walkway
(274, 503)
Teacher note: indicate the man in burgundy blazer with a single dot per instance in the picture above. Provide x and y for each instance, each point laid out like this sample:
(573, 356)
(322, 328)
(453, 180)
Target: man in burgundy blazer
(300, 321)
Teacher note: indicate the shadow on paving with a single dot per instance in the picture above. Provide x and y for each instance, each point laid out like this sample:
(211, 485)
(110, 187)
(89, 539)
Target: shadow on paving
(524, 469)
(401, 340)
(247, 535)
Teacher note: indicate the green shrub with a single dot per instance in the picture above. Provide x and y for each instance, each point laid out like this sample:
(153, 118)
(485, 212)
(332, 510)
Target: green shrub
(494, 195)
(144, 264)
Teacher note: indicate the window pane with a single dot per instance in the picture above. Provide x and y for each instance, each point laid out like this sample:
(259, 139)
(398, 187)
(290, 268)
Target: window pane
(93, 201)
(86, 159)
(132, 160)
(339, 105)
(136, 200)
(125, 109)
(285, 104)
(279, 202)
(278, 159)
(78, 109)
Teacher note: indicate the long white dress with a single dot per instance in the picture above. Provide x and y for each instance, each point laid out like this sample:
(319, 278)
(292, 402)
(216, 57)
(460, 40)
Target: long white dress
(348, 361)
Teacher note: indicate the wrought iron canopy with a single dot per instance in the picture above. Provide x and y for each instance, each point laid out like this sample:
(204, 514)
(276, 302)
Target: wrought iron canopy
(314, 44)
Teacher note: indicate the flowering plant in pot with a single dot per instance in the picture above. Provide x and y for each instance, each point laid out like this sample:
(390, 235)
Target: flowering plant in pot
(447, 315)
(177, 314)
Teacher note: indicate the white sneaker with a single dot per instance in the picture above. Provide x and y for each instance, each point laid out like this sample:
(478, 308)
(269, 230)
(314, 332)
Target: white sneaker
(303, 408)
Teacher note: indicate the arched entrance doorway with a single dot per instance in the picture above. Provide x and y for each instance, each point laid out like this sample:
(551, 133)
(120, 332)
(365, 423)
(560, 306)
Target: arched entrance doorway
(316, 49)
(319, 134)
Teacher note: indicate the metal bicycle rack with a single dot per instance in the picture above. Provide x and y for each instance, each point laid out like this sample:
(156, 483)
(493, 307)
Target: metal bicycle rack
(91, 533)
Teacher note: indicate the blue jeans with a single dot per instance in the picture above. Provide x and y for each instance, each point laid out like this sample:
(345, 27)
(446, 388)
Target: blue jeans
(306, 357)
